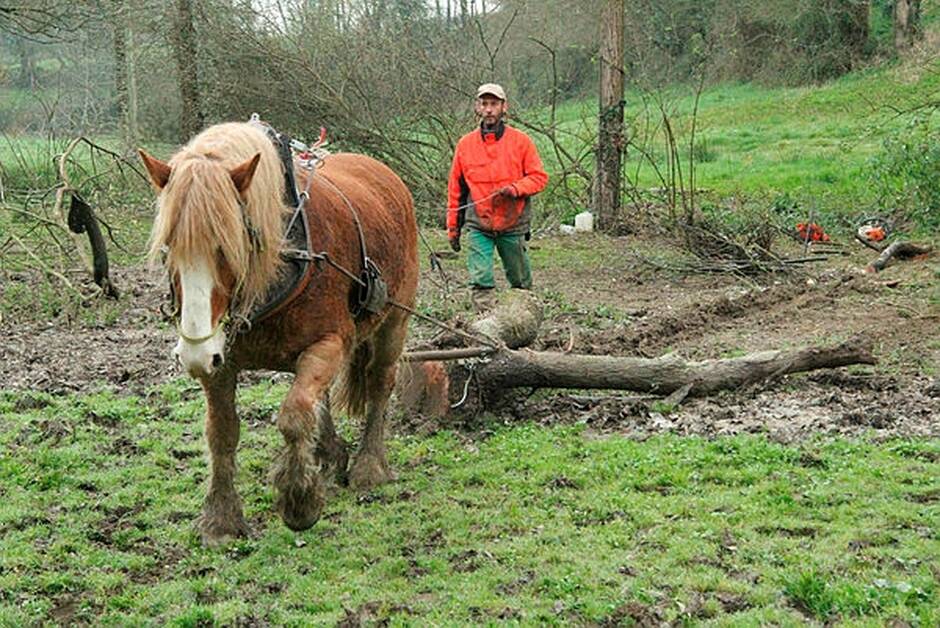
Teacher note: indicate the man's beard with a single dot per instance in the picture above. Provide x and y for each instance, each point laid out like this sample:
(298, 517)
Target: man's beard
(490, 125)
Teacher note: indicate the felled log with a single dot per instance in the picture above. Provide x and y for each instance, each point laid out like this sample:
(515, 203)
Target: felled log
(514, 322)
(663, 375)
(422, 385)
(898, 250)
(471, 383)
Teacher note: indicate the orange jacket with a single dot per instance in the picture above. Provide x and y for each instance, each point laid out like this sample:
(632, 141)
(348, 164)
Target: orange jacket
(484, 163)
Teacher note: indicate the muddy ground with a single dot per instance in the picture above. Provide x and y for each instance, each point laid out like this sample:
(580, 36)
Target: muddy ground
(620, 307)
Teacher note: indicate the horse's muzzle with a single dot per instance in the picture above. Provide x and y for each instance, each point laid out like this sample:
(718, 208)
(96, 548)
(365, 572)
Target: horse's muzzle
(199, 361)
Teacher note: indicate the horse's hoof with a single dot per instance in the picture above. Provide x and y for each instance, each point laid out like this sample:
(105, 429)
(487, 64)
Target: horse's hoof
(215, 531)
(300, 494)
(369, 471)
(300, 507)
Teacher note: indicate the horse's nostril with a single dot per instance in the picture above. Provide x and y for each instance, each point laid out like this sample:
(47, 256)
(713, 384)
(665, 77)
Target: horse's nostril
(216, 360)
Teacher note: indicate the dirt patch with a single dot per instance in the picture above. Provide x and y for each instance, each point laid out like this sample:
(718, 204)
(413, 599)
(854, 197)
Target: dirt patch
(636, 614)
(61, 356)
(790, 410)
(373, 614)
(615, 309)
(466, 562)
(651, 331)
(718, 317)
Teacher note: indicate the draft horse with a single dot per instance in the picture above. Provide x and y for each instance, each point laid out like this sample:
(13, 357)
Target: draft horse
(219, 228)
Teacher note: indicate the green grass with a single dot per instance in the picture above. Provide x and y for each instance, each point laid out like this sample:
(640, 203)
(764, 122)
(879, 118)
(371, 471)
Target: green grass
(525, 523)
(812, 143)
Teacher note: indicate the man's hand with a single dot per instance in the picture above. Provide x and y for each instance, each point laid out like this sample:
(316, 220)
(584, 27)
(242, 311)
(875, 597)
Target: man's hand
(455, 243)
(508, 191)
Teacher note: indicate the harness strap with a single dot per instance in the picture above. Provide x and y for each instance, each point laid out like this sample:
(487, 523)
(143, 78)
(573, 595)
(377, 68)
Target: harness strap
(298, 228)
(373, 292)
(282, 144)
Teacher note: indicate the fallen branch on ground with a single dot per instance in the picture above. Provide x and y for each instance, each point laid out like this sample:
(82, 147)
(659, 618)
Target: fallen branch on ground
(898, 250)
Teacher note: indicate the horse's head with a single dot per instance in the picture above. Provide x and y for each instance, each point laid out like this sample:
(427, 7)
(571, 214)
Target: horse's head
(201, 232)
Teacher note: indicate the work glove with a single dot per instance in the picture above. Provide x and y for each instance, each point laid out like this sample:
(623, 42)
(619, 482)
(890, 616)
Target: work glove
(455, 244)
(507, 190)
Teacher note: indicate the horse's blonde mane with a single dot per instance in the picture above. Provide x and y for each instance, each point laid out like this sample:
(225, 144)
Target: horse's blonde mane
(199, 214)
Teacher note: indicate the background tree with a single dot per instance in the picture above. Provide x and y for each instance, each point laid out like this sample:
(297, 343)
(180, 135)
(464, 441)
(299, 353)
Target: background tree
(610, 141)
(42, 19)
(906, 22)
(395, 78)
(125, 76)
(187, 65)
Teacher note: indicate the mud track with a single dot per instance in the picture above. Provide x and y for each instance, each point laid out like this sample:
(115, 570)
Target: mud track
(697, 317)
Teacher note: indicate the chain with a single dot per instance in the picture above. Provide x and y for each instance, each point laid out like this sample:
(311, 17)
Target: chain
(485, 340)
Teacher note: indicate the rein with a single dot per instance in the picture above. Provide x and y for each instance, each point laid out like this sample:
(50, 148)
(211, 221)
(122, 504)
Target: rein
(486, 340)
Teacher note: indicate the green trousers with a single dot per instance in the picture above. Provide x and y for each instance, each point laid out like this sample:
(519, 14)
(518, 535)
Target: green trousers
(512, 252)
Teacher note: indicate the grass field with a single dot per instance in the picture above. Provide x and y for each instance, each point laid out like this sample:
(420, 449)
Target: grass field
(813, 144)
(514, 523)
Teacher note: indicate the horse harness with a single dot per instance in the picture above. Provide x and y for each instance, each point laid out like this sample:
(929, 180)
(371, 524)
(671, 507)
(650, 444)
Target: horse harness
(370, 291)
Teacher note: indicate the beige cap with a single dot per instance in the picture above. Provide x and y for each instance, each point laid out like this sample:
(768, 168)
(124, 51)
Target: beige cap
(491, 88)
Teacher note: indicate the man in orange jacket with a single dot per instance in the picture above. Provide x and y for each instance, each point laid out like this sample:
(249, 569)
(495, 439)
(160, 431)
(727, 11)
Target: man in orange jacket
(496, 170)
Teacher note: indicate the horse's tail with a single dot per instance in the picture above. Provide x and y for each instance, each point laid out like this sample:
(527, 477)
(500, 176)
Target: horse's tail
(350, 387)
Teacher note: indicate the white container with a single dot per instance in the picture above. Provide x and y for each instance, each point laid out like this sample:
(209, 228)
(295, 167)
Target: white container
(584, 222)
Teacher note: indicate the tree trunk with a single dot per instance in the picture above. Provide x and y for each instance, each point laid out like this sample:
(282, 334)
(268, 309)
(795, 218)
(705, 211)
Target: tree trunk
(906, 23)
(119, 42)
(26, 77)
(610, 140)
(663, 375)
(191, 117)
(125, 83)
(132, 133)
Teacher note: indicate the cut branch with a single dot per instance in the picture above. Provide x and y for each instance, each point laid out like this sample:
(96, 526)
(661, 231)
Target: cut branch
(898, 250)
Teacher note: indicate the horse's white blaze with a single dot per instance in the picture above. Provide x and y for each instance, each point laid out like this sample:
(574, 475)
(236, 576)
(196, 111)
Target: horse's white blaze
(196, 320)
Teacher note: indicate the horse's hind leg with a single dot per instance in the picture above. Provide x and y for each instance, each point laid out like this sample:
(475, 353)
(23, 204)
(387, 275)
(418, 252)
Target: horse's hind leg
(370, 466)
(221, 518)
(331, 448)
(300, 491)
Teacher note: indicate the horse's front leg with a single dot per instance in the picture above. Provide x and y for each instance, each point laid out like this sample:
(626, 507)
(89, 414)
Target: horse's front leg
(221, 518)
(300, 494)
(331, 452)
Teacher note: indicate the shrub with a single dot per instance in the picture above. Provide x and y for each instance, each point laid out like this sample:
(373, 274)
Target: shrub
(905, 174)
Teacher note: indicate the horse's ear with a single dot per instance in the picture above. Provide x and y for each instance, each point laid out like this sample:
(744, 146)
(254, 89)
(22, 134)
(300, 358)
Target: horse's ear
(243, 173)
(159, 170)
